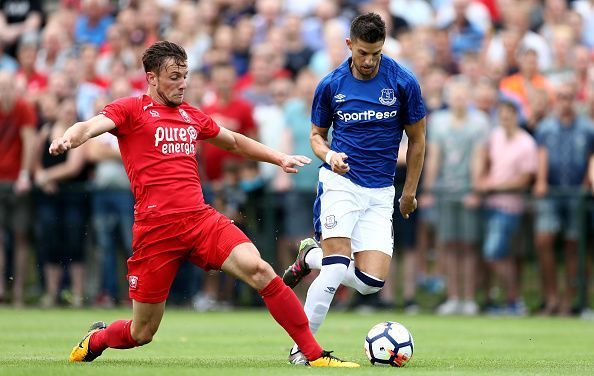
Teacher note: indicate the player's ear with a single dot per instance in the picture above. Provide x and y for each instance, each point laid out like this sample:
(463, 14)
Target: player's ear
(151, 77)
(349, 44)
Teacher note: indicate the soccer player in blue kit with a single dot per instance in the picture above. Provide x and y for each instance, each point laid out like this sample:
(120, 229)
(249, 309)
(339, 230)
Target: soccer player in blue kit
(369, 100)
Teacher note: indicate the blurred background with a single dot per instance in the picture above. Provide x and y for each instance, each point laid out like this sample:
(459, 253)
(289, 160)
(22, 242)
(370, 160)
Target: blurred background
(505, 219)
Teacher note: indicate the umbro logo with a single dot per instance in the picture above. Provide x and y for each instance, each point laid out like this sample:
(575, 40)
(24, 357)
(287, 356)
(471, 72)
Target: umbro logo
(147, 106)
(330, 290)
(154, 113)
(340, 98)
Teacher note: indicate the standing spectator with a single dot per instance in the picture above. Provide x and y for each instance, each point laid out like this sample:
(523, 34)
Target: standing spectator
(265, 65)
(18, 17)
(586, 9)
(296, 52)
(522, 85)
(17, 137)
(7, 62)
(93, 22)
(566, 143)
(118, 50)
(454, 137)
(91, 85)
(55, 48)
(61, 214)
(464, 35)
(508, 164)
(231, 112)
(301, 194)
(113, 208)
(268, 14)
(27, 76)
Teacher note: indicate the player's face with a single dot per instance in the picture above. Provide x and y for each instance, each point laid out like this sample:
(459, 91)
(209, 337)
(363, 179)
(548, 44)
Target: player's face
(366, 57)
(170, 84)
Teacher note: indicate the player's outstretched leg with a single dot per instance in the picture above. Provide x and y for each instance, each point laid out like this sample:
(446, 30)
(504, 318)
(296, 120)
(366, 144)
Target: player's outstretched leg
(245, 263)
(299, 269)
(82, 352)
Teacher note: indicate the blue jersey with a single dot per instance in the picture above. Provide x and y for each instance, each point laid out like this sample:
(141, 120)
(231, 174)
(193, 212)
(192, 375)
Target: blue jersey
(368, 118)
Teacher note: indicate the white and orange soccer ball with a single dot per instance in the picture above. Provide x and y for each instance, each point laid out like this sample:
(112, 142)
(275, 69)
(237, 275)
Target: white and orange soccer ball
(389, 344)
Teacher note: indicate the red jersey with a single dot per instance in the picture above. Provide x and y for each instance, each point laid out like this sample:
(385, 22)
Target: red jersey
(237, 116)
(158, 146)
(11, 122)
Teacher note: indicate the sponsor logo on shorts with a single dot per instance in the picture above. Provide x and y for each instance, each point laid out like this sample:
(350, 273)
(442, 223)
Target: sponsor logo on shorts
(133, 281)
(330, 222)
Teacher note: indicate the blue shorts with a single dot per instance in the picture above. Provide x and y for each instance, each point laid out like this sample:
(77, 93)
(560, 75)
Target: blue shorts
(499, 231)
(556, 215)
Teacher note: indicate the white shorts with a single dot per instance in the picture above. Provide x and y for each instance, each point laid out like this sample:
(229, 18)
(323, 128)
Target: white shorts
(344, 209)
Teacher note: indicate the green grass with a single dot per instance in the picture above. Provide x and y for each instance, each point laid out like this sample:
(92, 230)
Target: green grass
(35, 342)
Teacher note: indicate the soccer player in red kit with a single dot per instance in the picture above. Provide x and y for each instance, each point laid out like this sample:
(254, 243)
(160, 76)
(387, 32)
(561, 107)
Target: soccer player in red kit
(158, 134)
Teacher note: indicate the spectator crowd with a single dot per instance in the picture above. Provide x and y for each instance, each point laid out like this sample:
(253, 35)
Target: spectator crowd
(503, 203)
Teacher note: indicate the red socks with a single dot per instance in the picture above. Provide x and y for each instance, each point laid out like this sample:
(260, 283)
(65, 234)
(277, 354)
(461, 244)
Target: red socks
(117, 336)
(286, 309)
(282, 304)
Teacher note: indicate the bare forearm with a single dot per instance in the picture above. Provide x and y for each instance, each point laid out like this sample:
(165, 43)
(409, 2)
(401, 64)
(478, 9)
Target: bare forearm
(255, 150)
(320, 146)
(415, 157)
(77, 134)
(70, 168)
(28, 150)
(543, 166)
(522, 182)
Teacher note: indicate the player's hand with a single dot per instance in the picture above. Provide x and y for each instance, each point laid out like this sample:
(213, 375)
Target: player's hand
(289, 162)
(338, 164)
(59, 146)
(408, 204)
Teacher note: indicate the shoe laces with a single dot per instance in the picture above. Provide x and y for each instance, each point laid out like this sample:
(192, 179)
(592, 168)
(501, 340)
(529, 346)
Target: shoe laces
(328, 354)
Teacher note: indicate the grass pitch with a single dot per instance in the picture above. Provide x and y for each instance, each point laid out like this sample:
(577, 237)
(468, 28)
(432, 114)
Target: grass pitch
(35, 342)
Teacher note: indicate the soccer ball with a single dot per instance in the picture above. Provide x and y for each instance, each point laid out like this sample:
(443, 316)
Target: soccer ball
(389, 344)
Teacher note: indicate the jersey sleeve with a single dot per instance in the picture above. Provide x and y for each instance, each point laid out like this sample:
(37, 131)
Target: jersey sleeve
(414, 108)
(321, 108)
(120, 112)
(209, 128)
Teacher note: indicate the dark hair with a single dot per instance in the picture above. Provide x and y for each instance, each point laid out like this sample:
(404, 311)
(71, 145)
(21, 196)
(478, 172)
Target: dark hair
(156, 55)
(369, 28)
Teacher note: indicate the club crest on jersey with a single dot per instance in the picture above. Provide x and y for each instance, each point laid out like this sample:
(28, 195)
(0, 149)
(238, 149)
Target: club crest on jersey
(387, 98)
(133, 281)
(154, 113)
(330, 222)
(184, 115)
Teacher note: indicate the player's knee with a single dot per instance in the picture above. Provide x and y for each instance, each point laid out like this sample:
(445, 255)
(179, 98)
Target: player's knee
(260, 273)
(143, 335)
(366, 283)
